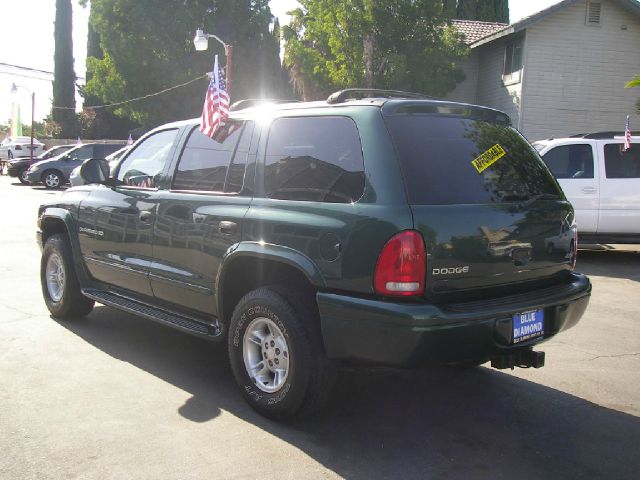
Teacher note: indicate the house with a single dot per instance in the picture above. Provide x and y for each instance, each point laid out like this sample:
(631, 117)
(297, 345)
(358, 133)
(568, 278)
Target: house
(559, 72)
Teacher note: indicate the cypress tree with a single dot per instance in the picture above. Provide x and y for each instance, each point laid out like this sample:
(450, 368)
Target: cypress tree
(64, 76)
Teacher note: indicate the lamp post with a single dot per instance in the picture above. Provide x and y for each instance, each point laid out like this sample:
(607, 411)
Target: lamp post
(14, 91)
(201, 42)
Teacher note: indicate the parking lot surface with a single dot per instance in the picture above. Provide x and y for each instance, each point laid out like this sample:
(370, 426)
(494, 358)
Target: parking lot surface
(115, 396)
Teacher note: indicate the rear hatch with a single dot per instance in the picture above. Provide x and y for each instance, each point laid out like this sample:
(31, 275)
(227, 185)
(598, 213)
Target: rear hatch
(494, 220)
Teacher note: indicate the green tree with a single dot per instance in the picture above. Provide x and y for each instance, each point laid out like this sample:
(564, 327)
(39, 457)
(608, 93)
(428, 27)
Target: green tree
(400, 44)
(147, 47)
(484, 10)
(64, 77)
(634, 82)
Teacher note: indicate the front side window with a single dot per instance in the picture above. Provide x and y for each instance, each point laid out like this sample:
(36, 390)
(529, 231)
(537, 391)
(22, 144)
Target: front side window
(619, 164)
(143, 166)
(314, 159)
(570, 161)
(215, 164)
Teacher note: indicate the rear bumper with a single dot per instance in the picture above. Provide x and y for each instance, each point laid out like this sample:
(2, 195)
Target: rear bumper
(404, 334)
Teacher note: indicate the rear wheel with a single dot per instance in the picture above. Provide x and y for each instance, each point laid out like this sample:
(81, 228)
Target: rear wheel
(60, 287)
(276, 353)
(52, 179)
(22, 176)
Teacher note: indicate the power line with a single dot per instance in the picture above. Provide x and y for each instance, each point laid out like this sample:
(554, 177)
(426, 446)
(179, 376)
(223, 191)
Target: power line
(30, 69)
(138, 98)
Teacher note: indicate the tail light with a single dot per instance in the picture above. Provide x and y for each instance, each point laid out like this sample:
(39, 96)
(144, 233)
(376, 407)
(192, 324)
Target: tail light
(402, 266)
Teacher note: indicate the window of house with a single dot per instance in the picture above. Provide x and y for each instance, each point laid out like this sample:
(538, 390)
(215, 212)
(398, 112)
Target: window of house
(145, 163)
(215, 164)
(619, 164)
(314, 159)
(570, 161)
(513, 60)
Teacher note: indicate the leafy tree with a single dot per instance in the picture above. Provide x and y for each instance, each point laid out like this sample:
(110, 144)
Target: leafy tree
(147, 47)
(64, 76)
(634, 82)
(484, 10)
(399, 44)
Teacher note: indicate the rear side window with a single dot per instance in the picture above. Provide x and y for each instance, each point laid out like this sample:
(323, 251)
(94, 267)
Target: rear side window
(215, 164)
(619, 164)
(453, 160)
(314, 159)
(570, 161)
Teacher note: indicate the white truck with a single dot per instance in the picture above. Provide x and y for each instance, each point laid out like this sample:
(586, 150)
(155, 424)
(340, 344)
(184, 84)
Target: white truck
(601, 180)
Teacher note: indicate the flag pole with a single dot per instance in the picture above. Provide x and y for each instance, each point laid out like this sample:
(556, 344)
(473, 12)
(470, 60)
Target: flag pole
(228, 50)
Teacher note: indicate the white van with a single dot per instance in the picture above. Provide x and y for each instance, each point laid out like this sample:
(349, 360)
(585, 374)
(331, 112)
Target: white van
(601, 181)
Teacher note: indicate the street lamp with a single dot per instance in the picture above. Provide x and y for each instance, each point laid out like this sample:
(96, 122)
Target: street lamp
(201, 42)
(14, 91)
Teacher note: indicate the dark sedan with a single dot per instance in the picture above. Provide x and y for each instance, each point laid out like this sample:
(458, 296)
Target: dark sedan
(18, 166)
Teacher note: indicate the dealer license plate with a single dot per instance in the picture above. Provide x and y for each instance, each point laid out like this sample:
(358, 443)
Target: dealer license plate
(528, 325)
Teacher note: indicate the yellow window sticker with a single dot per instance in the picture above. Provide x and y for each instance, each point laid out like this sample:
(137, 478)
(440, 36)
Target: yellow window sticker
(488, 158)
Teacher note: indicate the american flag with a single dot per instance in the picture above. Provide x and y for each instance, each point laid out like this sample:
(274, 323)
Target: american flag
(627, 136)
(216, 103)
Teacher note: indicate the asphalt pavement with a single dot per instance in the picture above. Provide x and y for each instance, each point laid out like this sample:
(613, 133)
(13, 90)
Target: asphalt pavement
(114, 396)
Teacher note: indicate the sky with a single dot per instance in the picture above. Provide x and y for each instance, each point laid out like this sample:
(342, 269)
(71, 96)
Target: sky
(26, 40)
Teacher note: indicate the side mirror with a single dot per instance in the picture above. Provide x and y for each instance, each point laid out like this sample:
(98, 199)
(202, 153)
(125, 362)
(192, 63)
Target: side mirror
(94, 170)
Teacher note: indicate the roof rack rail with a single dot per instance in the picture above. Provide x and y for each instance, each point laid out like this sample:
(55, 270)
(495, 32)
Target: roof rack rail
(359, 93)
(252, 102)
(602, 135)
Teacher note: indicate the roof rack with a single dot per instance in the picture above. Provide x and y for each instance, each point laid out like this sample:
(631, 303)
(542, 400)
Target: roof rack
(601, 135)
(252, 102)
(359, 93)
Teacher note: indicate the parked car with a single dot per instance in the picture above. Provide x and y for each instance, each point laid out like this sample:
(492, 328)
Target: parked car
(55, 172)
(12, 147)
(18, 166)
(76, 180)
(353, 229)
(601, 181)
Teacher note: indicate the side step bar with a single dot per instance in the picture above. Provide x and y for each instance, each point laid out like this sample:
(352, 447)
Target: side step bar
(177, 320)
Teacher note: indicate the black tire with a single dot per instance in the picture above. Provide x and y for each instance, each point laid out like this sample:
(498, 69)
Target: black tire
(52, 179)
(22, 176)
(310, 378)
(69, 302)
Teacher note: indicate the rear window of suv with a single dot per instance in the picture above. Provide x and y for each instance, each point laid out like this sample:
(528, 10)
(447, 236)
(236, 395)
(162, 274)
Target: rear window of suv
(452, 160)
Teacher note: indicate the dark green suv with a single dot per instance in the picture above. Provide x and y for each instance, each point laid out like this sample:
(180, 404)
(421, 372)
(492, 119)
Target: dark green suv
(374, 227)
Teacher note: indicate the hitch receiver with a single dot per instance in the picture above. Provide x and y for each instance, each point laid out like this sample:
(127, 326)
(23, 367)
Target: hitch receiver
(522, 358)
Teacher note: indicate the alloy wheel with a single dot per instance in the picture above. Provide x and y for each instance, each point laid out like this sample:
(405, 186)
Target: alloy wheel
(266, 355)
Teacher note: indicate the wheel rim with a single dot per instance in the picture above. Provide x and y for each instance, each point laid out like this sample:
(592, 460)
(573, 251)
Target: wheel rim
(266, 355)
(55, 277)
(23, 176)
(52, 180)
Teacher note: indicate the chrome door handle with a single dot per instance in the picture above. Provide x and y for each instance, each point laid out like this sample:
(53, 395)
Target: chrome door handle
(145, 216)
(589, 190)
(227, 228)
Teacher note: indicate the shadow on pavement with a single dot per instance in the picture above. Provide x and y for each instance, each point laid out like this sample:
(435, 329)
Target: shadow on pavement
(609, 263)
(438, 423)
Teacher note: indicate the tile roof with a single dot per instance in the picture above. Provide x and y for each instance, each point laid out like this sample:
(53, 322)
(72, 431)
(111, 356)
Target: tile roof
(475, 30)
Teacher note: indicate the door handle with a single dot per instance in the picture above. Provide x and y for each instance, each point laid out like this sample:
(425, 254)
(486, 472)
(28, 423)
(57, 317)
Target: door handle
(145, 216)
(227, 228)
(589, 190)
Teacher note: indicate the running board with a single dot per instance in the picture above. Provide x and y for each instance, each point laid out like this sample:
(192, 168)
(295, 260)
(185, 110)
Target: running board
(177, 320)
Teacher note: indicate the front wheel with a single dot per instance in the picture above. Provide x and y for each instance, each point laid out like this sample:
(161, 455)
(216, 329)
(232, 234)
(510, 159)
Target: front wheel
(22, 176)
(60, 286)
(52, 179)
(276, 353)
